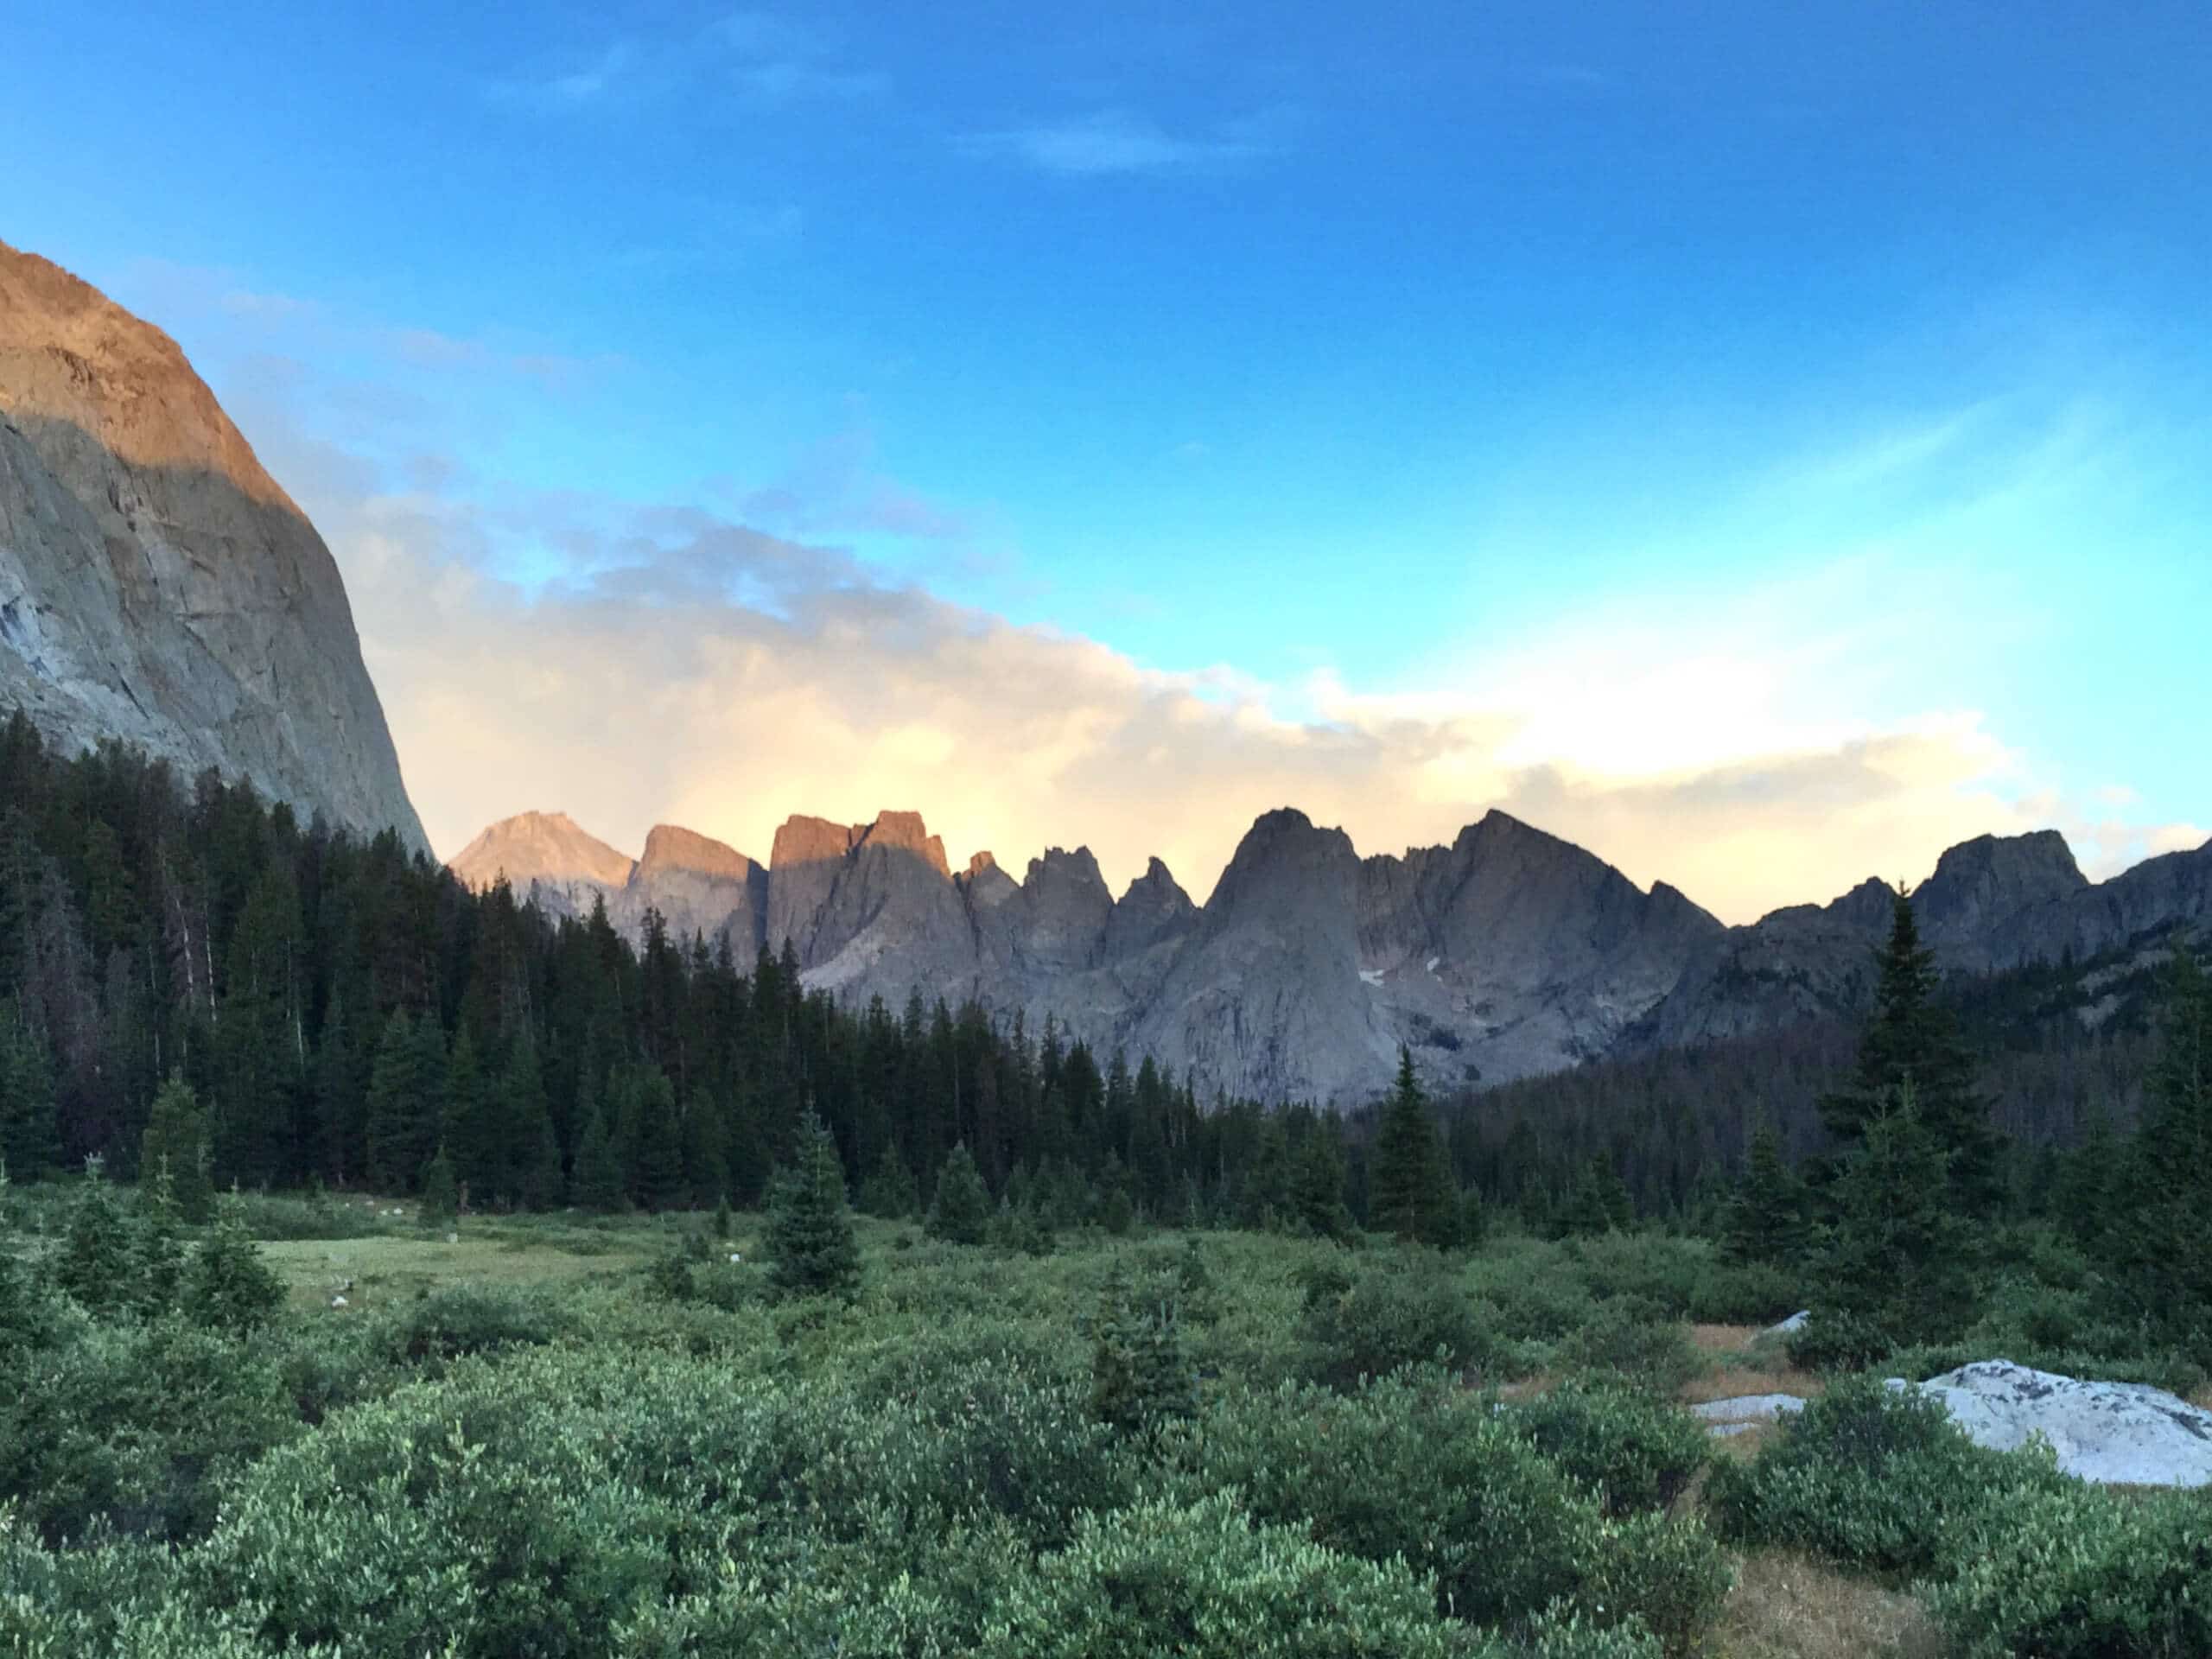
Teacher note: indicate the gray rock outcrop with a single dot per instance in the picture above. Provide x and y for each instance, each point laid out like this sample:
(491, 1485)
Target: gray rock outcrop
(157, 585)
(2114, 1433)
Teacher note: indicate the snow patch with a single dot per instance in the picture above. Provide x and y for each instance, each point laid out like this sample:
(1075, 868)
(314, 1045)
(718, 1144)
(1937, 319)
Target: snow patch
(1433, 960)
(1371, 975)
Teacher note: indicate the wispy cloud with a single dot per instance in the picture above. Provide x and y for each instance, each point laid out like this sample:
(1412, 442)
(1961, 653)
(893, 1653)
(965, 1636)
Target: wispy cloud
(575, 86)
(1121, 140)
(777, 61)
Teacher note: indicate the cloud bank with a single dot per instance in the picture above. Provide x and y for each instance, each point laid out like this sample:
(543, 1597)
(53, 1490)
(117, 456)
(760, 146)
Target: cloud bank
(725, 669)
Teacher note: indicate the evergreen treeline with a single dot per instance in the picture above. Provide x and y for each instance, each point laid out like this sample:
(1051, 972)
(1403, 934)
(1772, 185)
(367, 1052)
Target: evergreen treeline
(192, 975)
(335, 1011)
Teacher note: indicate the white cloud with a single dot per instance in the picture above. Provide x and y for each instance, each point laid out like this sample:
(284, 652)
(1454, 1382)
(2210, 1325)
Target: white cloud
(1119, 142)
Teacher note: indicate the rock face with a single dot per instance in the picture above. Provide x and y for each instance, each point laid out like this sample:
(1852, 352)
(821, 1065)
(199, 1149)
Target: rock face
(1992, 904)
(1507, 954)
(2116, 1434)
(157, 585)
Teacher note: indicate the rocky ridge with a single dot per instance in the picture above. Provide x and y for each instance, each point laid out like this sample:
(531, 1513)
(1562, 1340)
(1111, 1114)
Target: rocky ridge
(157, 585)
(1506, 954)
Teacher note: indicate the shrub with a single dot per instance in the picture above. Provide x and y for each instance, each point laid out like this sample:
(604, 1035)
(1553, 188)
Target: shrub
(1438, 1476)
(132, 1427)
(1637, 1342)
(450, 1324)
(1875, 1478)
(2080, 1573)
(1834, 1340)
(1637, 1452)
(95, 1266)
(1402, 1308)
(1199, 1581)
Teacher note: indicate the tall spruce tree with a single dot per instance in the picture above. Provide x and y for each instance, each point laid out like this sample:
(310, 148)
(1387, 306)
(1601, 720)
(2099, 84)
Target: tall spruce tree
(405, 1108)
(1900, 1256)
(175, 1142)
(30, 1130)
(811, 1249)
(2163, 1242)
(1410, 1190)
(1317, 1186)
(596, 1182)
(1912, 1038)
(1766, 1220)
(960, 1213)
(95, 1265)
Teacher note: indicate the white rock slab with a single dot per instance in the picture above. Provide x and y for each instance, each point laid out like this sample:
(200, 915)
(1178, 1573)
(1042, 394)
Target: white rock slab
(1737, 1414)
(2114, 1433)
(1789, 1326)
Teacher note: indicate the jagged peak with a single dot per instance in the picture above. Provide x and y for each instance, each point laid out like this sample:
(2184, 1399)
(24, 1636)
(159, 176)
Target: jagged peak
(801, 839)
(978, 862)
(905, 831)
(671, 847)
(2042, 851)
(1080, 864)
(1157, 879)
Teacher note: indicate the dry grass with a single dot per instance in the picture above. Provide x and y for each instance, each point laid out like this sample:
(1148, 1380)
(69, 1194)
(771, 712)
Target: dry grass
(2202, 1397)
(1787, 1607)
(1723, 1338)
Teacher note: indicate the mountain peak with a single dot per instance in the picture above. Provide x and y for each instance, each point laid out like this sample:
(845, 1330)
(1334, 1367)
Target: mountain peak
(906, 833)
(670, 847)
(539, 847)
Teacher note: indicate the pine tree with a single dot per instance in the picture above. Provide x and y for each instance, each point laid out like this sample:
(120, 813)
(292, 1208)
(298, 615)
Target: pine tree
(440, 1204)
(1142, 1375)
(1900, 1256)
(1766, 1219)
(230, 1286)
(646, 1139)
(960, 1213)
(1410, 1190)
(1911, 1037)
(405, 1108)
(811, 1249)
(1317, 1187)
(176, 1141)
(474, 1142)
(31, 1131)
(2162, 1239)
(596, 1183)
(888, 1192)
(541, 1177)
(158, 1257)
(2091, 1180)
(95, 1266)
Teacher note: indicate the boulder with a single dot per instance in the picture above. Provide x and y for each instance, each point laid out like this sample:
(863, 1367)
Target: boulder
(1734, 1416)
(2113, 1433)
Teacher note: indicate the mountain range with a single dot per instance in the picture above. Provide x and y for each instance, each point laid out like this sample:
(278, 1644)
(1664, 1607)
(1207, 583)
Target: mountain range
(158, 587)
(1506, 955)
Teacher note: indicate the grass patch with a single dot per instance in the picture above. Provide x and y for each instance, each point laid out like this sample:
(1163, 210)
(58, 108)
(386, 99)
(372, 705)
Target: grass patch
(1789, 1606)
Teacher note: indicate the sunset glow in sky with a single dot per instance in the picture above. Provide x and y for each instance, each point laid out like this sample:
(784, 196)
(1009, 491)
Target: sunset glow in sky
(1763, 445)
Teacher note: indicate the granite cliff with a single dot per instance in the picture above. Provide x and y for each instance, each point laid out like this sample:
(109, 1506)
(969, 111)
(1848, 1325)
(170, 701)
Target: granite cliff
(157, 585)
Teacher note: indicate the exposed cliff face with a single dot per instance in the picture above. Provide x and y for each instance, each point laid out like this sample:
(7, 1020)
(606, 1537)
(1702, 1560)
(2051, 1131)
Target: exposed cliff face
(157, 585)
(1993, 904)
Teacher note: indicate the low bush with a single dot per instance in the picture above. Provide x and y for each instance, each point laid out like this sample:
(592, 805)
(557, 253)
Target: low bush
(2080, 1573)
(1875, 1478)
(1199, 1581)
(1832, 1340)
(450, 1324)
(1426, 1472)
(1637, 1342)
(1638, 1453)
(1368, 1316)
(132, 1427)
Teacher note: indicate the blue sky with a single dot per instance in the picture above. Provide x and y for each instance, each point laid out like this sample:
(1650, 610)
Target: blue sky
(1568, 407)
